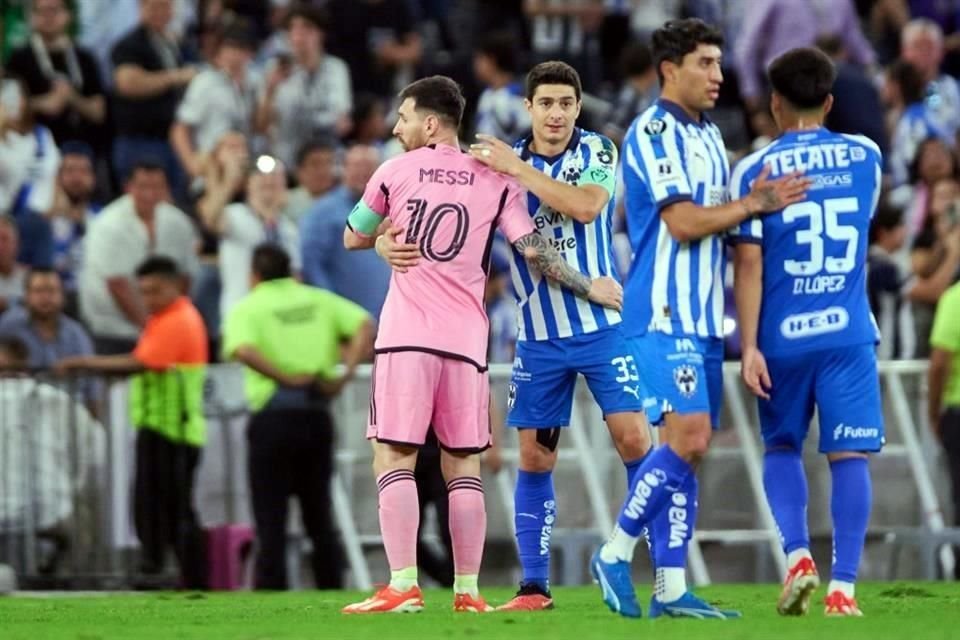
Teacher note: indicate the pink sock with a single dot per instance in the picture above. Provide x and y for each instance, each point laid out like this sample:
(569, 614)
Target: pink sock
(468, 524)
(399, 517)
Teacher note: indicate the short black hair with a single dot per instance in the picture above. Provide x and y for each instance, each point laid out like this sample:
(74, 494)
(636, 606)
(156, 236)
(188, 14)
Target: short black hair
(35, 272)
(312, 145)
(314, 15)
(886, 218)
(77, 148)
(15, 348)
(913, 87)
(438, 94)
(803, 76)
(270, 262)
(553, 72)
(161, 266)
(501, 47)
(636, 59)
(147, 164)
(677, 38)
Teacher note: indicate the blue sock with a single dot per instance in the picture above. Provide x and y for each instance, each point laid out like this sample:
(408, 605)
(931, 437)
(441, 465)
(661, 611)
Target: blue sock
(785, 484)
(850, 508)
(673, 526)
(662, 473)
(634, 465)
(535, 510)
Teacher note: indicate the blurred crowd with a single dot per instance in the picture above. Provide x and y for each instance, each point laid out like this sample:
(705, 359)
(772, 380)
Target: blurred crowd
(200, 129)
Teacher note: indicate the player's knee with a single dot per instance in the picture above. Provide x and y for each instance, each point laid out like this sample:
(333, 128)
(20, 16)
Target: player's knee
(694, 444)
(633, 444)
(537, 458)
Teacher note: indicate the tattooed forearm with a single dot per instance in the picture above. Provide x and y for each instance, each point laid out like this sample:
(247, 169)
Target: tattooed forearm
(542, 256)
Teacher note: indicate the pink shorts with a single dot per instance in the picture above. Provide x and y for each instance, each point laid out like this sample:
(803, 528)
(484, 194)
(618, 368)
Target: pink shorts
(412, 391)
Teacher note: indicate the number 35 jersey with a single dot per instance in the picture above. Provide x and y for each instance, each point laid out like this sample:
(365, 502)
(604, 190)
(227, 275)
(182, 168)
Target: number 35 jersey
(450, 205)
(814, 251)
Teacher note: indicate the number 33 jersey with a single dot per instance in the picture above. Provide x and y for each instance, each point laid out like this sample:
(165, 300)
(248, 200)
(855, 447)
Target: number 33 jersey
(814, 251)
(450, 205)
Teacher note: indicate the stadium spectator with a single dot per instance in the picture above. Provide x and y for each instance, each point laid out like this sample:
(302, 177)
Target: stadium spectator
(771, 27)
(377, 38)
(244, 225)
(41, 324)
(911, 119)
(290, 337)
(501, 111)
(316, 176)
(12, 273)
(638, 92)
(166, 408)
(943, 381)
(313, 98)
(217, 100)
(62, 78)
(856, 101)
(887, 285)
(71, 213)
(149, 77)
(935, 258)
(370, 126)
(143, 224)
(921, 44)
(934, 161)
(29, 160)
(359, 276)
(53, 451)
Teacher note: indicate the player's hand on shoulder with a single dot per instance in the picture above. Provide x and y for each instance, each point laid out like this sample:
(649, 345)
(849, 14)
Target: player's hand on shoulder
(496, 154)
(398, 255)
(767, 195)
(607, 292)
(753, 371)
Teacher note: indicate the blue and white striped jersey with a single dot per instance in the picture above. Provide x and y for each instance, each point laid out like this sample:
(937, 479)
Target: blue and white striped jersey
(673, 287)
(546, 310)
(502, 113)
(917, 123)
(814, 251)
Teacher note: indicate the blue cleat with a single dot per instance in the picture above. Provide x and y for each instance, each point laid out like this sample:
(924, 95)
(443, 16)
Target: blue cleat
(616, 584)
(689, 606)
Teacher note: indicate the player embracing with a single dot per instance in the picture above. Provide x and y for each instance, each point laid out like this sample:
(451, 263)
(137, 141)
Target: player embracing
(431, 365)
(807, 332)
(570, 174)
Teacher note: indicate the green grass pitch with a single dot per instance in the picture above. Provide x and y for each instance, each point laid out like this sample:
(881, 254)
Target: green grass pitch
(915, 611)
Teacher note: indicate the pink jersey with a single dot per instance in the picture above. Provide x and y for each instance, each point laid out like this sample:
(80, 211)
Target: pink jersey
(450, 205)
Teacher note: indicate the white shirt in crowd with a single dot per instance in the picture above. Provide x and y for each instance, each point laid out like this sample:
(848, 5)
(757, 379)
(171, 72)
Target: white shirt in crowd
(307, 105)
(50, 452)
(31, 160)
(214, 104)
(115, 245)
(243, 231)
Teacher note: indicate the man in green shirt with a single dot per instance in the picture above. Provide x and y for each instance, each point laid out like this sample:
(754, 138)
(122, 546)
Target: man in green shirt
(291, 338)
(944, 386)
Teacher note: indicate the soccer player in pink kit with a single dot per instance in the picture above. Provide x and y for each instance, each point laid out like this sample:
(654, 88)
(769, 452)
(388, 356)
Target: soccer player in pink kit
(431, 365)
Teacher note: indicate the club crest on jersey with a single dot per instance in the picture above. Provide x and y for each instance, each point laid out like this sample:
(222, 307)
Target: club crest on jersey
(655, 127)
(571, 175)
(685, 377)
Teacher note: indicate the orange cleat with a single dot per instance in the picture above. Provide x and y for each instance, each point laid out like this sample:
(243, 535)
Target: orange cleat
(466, 603)
(838, 604)
(529, 598)
(798, 586)
(389, 600)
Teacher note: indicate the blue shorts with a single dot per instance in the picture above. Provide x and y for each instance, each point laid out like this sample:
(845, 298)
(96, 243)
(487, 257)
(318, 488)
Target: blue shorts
(541, 389)
(682, 374)
(843, 384)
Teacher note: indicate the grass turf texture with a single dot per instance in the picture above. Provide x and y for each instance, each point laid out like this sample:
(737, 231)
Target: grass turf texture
(893, 610)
